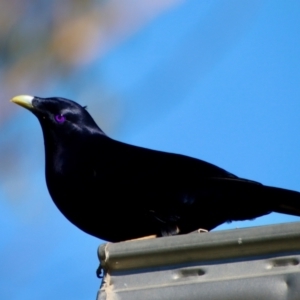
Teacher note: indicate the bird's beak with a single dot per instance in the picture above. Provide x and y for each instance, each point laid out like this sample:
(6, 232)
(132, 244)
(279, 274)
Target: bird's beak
(23, 100)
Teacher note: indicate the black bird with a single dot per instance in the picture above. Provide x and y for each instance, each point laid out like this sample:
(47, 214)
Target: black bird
(116, 192)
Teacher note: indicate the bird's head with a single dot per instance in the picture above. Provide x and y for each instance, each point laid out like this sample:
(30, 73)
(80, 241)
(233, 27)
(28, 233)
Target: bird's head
(59, 116)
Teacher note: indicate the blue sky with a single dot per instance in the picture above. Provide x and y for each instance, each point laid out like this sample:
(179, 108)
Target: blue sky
(216, 80)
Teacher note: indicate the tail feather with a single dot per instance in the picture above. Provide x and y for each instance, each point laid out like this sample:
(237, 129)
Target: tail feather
(287, 201)
(257, 199)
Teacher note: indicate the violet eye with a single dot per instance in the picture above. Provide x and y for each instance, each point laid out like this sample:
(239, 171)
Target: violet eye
(60, 118)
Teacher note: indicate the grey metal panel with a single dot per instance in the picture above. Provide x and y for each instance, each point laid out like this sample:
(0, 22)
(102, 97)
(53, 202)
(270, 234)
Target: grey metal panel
(264, 288)
(255, 263)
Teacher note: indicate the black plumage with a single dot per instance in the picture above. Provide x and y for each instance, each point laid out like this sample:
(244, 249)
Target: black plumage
(117, 191)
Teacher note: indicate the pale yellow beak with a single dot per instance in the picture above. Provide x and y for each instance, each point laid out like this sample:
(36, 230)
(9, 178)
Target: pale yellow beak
(23, 100)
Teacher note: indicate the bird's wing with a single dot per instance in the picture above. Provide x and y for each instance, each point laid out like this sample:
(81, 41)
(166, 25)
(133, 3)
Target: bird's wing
(147, 159)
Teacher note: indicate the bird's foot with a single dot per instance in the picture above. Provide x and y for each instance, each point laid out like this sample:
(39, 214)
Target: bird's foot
(201, 230)
(143, 238)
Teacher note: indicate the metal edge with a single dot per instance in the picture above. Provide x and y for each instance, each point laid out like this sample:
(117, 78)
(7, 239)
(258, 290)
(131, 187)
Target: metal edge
(216, 245)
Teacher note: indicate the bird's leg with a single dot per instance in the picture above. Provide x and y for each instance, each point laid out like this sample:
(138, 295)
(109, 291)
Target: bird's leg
(143, 238)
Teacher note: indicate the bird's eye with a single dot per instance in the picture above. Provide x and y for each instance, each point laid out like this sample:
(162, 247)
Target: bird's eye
(60, 118)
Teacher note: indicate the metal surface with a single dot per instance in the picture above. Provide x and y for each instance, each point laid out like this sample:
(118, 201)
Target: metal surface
(255, 263)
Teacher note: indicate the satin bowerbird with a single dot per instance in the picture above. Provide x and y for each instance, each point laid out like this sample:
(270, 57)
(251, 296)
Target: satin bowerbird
(116, 191)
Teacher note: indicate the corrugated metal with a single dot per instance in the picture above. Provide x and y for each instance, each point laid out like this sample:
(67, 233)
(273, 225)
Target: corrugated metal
(255, 263)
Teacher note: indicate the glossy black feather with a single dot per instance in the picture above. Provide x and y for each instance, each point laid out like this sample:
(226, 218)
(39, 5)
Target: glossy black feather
(117, 191)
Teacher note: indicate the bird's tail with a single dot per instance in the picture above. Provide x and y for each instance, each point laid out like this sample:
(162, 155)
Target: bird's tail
(286, 201)
(257, 199)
